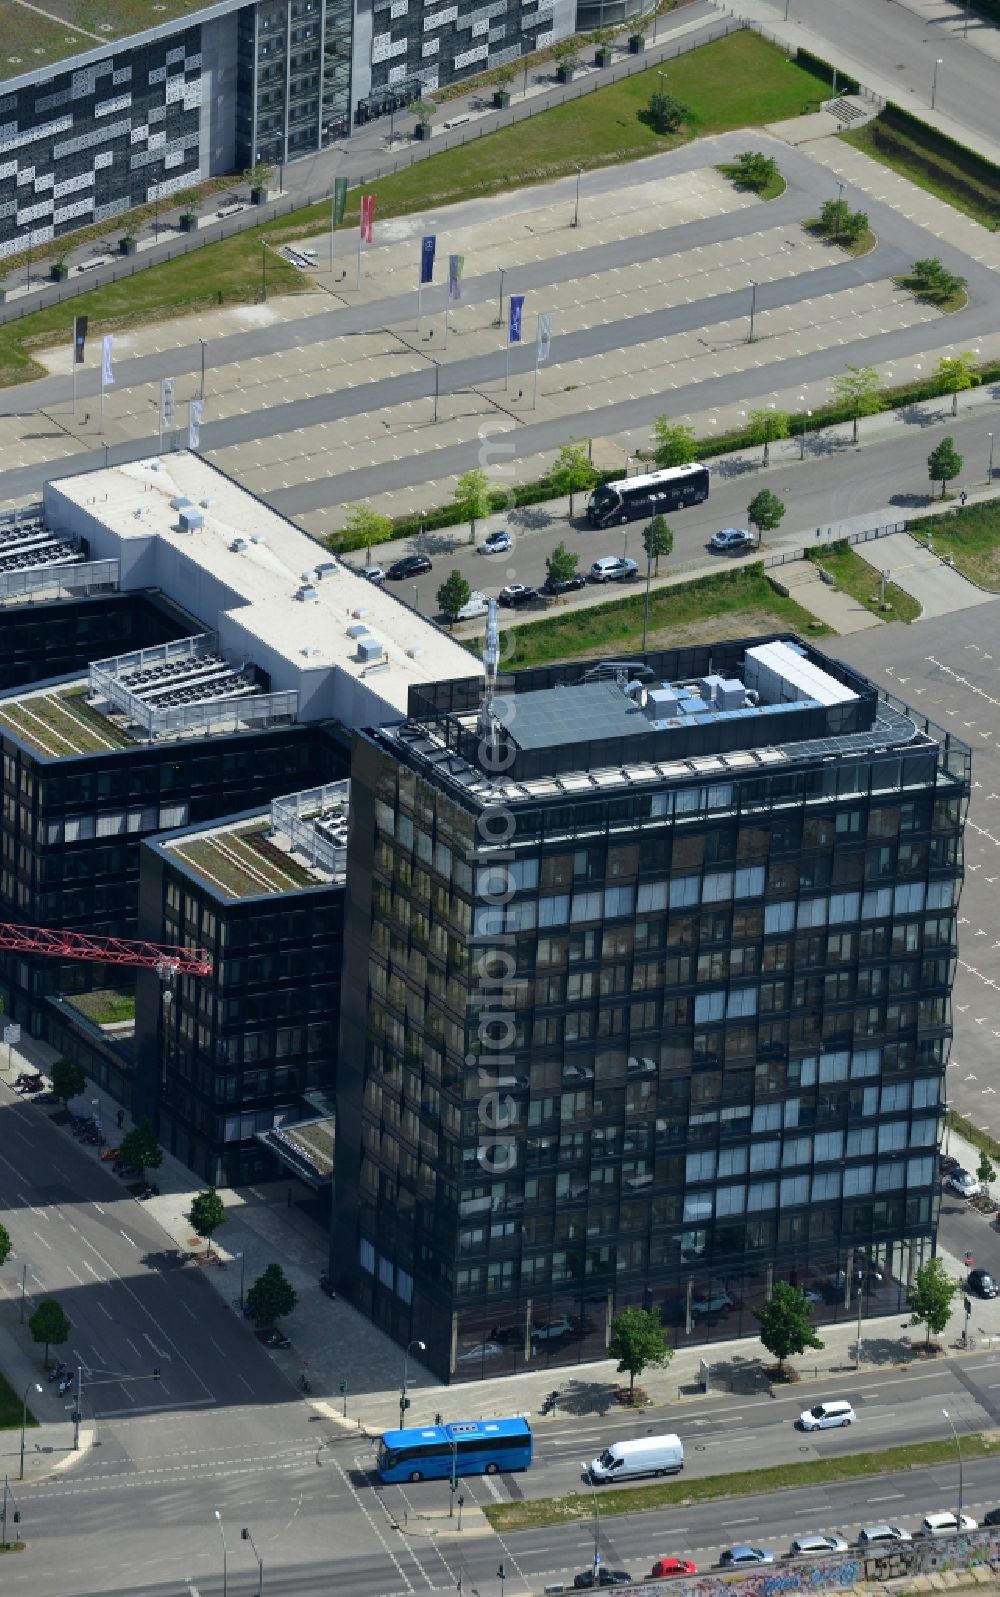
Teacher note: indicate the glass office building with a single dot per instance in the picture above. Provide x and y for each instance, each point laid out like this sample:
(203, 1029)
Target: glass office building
(646, 1000)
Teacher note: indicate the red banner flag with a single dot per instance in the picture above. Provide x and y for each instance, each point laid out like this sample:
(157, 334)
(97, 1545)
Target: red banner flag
(367, 217)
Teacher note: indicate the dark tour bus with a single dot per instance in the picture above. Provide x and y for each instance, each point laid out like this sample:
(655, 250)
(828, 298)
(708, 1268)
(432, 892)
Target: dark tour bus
(652, 494)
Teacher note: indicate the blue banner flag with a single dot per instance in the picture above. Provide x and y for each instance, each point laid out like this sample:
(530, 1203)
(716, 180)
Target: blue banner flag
(514, 325)
(427, 248)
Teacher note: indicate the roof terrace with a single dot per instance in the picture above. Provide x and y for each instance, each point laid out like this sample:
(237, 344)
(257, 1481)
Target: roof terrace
(301, 843)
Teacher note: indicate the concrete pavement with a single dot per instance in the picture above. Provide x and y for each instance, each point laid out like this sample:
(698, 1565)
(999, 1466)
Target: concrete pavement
(923, 574)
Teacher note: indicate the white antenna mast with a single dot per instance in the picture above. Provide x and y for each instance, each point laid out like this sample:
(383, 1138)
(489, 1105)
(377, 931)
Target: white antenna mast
(491, 663)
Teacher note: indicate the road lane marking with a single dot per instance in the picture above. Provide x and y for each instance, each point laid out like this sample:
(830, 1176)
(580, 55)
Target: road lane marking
(126, 1236)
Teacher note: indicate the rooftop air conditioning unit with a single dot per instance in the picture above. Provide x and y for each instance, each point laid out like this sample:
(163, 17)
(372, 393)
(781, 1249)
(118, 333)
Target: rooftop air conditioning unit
(415, 652)
(369, 649)
(206, 504)
(180, 503)
(357, 629)
(258, 537)
(307, 593)
(238, 545)
(190, 518)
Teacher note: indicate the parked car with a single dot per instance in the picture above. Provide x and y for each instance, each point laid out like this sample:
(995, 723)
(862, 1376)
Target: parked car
(587, 1579)
(715, 1303)
(566, 585)
(476, 605)
(736, 1557)
(963, 1182)
(409, 566)
(941, 1524)
(869, 1535)
(553, 1330)
(982, 1284)
(811, 1546)
(613, 568)
(826, 1416)
(497, 543)
(992, 1518)
(732, 540)
(272, 1337)
(517, 593)
(672, 1566)
(373, 573)
(478, 1352)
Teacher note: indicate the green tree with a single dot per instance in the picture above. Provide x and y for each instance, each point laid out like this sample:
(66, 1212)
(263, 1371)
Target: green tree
(673, 443)
(664, 112)
(931, 1297)
(206, 1214)
(566, 54)
(985, 1171)
(139, 1148)
(423, 110)
(365, 526)
(5, 1244)
(785, 1322)
(50, 1325)
(638, 1341)
(573, 471)
(504, 75)
(755, 170)
(860, 388)
(838, 221)
(473, 496)
(453, 594)
(765, 511)
(956, 373)
(68, 1080)
(944, 463)
(271, 1296)
(561, 565)
(657, 540)
(767, 426)
(934, 281)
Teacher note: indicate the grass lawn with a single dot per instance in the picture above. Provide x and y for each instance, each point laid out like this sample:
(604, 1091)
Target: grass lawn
(856, 577)
(10, 1408)
(946, 303)
(972, 538)
(772, 190)
(862, 245)
(805, 1472)
(734, 82)
(979, 1139)
(930, 169)
(227, 272)
(104, 1006)
(618, 624)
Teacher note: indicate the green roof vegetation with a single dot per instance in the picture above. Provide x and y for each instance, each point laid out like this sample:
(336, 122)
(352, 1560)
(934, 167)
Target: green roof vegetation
(104, 1006)
(243, 862)
(61, 724)
(37, 35)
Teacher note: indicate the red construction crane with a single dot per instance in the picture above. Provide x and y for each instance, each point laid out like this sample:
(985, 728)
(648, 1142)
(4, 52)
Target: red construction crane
(167, 961)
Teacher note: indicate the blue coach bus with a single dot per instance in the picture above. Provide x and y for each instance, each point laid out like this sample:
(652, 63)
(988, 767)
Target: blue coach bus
(474, 1447)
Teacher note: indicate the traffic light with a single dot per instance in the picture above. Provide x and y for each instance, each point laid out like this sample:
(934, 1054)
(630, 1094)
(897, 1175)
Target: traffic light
(343, 1387)
(404, 1404)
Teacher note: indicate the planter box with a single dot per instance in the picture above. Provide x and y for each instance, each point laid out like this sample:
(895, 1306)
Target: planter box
(189, 223)
(258, 196)
(602, 57)
(422, 130)
(564, 74)
(127, 246)
(501, 99)
(636, 43)
(58, 274)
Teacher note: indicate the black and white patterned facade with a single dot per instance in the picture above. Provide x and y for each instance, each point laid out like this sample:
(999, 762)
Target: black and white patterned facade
(431, 43)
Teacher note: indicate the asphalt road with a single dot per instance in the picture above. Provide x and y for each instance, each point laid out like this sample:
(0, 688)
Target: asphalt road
(903, 47)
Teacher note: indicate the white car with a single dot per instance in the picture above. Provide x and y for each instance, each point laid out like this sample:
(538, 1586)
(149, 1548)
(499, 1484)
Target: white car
(550, 1332)
(498, 543)
(480, 1350)
(732, 539)
(826, 1416)
(870, 1534)
(941, 1524)
(716, 1303)
(373, 573)
(964, 1183)
(613, 568)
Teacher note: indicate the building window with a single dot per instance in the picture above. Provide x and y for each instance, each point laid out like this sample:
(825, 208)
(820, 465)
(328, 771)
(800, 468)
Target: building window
(366, 1256)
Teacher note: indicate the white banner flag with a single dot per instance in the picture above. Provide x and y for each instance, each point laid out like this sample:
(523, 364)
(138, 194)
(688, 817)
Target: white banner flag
(544, 338)
(194, 423)
(107, 374)
(166, 404)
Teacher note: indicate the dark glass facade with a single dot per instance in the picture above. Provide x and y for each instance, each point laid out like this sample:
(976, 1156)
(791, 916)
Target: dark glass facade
(231, 1055)
(72, 829)
(294, 77)
(694, 1045)
(46, 640)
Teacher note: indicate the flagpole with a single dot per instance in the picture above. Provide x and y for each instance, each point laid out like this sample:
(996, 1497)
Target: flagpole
(420, 290)
(73, 358)
(360, 240)
(102, 399)
(333, 226)
(506, 373)
(447, 309)
(534, 396)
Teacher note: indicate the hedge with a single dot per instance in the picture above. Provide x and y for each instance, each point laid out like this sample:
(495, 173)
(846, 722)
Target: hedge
(534, 493)
(822, 69)
(983, 175)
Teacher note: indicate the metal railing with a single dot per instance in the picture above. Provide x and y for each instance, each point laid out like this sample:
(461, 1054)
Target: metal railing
(90, 577)
(866, 535)
(296, 815)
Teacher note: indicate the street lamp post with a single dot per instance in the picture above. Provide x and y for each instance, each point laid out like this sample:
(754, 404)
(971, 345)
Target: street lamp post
(404, 1401)
(501, 1577)
(958, 1446)
(645, 609)
(454, 1476)
(989, 474)
(802, 435)
(245, 1534)
(263, 270)
(840, 201)
(753, 307)
(25, 1267)
(24, 1421)
(437, 387)
(243, 1277)
(225, 1555)
(204, 345)
(576, 209)
(937, 63)
(499, 322)
(597, 1518)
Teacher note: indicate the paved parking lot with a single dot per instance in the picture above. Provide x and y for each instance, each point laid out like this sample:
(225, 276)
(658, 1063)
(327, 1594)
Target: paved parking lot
(949, 668)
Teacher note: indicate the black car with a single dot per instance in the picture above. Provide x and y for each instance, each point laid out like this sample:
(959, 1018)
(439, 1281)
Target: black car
(517, 593)
(992, 1518)
(586, 1581)
(409, 566)
(947, 1164)
(570, 585)
(982, 1284)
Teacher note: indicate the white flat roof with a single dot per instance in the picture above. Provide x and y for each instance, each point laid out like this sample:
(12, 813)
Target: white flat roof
(125, 513)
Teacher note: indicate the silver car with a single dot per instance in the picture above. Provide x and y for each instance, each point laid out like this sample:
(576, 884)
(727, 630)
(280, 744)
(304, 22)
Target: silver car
(872, 1534)
(809, 1546)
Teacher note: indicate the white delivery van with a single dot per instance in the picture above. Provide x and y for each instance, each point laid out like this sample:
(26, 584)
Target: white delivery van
(653, 1455)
